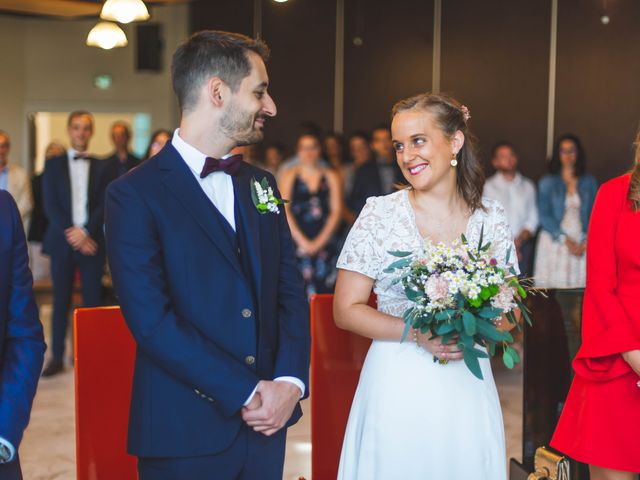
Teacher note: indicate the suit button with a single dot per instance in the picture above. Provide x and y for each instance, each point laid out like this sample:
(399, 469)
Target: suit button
(246, 313)
(250, 360)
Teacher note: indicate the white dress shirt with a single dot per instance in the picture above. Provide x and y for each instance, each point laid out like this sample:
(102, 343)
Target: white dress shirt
(12, 450)
(518, 197)
(218, 187)
(79, 178)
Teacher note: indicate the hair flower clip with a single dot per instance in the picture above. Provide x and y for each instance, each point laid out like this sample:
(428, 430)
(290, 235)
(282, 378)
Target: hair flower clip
(466, 115)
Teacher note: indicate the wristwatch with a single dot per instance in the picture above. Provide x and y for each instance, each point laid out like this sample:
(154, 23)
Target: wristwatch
(5, 453)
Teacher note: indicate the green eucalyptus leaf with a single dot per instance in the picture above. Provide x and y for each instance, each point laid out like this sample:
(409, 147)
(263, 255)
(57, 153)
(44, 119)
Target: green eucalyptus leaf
(399, 253)
(444, 314)
(488, 330)
(472, 363)
(490, 312)
(469, 321)
(444, 329)
(507, 359)
(514, 354)
(405, 262)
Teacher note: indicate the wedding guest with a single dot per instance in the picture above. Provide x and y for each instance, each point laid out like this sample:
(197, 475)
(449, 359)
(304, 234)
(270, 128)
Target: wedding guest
(14, 179)
(305, 127)
(600, 419)
(159, 138)
(333, 150)
(73, 188)
(21, 343)
(565, 199)
(385, 157)
(122, 160)
(273, 158)
(40, 264)
(364, 180)
(518, 196)
(456, 431)
(314, 213)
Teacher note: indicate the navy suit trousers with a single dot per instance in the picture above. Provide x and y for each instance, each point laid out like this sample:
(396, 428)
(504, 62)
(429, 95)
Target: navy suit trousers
(250, 456)
(11, 470)
(63, 266)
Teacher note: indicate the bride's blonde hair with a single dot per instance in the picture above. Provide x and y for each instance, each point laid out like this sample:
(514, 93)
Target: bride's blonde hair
(634, 186)
(451, 116)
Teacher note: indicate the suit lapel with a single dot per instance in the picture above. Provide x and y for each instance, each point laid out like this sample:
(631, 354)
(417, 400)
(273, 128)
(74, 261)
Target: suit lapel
(66, 187)
(250, 222)
(92, 183)
(179, 179)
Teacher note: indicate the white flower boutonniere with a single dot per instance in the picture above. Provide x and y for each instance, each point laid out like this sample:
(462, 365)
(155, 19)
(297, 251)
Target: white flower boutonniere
(263, 197)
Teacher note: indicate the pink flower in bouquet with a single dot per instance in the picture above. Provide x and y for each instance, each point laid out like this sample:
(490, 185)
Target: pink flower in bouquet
(504, 299)
(437, 288)
(493, 262)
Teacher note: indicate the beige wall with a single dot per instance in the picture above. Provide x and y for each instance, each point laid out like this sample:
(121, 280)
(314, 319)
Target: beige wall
(47, 67)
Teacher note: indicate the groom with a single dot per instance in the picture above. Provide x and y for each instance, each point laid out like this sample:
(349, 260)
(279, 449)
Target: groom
(208, 285)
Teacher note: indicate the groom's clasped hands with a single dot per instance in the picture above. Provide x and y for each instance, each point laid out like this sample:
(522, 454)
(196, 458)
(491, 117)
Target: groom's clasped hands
(271, 406)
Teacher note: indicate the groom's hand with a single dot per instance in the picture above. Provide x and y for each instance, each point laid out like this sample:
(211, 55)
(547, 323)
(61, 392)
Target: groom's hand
(278, 401)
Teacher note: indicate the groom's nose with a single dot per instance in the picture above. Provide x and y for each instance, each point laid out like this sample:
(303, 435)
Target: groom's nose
(269, 106)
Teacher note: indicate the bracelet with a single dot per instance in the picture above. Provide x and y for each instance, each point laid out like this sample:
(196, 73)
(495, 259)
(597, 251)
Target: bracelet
(415, 337)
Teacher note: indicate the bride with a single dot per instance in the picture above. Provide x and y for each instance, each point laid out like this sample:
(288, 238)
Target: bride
(413, 417)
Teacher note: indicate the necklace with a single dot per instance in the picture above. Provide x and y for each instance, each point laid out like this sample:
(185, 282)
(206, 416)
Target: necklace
(441, 228)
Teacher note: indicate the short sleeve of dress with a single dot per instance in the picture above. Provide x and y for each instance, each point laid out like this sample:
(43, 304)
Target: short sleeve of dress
(364, 248)
(503, 247)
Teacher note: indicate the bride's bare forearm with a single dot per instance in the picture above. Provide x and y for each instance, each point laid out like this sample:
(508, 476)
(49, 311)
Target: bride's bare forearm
(369, 322)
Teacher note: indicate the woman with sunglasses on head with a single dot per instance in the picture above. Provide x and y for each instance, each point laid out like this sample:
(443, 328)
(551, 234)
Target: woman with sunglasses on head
(565, 199)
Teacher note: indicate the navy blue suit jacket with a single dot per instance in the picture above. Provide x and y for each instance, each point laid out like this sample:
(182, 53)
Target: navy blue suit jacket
(56, 191)
(191, 309)
(21, 341)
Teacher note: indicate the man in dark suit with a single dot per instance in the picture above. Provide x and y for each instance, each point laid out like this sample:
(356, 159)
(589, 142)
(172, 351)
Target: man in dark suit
(207, 281)
(73, 187)
(122, 160)
(21, 342)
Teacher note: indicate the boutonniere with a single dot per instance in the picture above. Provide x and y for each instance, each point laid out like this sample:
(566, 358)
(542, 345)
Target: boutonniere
(263, 197)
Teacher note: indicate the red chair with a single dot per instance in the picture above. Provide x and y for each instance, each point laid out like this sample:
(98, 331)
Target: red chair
(104, 358)
(336, 360)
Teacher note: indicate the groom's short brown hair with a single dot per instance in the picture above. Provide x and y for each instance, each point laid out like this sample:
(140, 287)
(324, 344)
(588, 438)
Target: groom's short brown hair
(208, 53)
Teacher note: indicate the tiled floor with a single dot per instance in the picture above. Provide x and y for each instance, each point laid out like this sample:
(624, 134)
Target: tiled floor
(48, 449)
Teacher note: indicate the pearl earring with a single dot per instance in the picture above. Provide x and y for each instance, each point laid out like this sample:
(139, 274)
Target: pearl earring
(454, 160)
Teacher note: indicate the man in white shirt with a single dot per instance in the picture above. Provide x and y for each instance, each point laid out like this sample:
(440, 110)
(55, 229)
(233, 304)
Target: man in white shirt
(14, 179)
(73, 187)
(517, 194)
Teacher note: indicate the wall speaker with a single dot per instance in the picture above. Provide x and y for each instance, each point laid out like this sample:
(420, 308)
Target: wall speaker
(149, 47)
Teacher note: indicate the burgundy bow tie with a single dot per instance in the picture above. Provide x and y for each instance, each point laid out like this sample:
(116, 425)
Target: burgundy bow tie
(229, 165)
(81, 156)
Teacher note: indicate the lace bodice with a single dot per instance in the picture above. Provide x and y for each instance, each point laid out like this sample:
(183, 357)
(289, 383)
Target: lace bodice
(388, 223)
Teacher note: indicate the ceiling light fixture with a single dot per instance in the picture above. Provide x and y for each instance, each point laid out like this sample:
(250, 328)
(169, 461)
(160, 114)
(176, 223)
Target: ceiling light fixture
(124, 11)
(106, 35)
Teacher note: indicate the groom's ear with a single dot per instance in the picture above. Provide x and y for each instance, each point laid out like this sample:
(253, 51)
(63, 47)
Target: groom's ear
(217, 91)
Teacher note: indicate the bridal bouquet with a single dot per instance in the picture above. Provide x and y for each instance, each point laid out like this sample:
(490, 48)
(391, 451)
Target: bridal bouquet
(459, 291)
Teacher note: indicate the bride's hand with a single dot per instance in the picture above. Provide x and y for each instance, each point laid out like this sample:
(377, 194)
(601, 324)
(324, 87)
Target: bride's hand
(448, 351)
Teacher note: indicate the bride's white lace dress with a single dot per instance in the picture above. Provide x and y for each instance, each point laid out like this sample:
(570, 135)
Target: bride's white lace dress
(412, 418)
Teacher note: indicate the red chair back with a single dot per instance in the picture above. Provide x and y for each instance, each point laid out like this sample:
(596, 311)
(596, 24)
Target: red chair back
(336, 360)
(104, 358)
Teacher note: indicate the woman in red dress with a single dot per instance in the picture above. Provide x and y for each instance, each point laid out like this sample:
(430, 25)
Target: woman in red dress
(600, 422)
